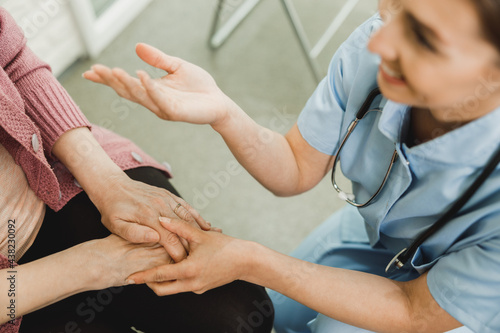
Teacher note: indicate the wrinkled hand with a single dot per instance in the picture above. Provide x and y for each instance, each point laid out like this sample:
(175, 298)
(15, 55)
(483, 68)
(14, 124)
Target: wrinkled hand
(131, 210)
(214, 260)
(187, 93)
(113, 259)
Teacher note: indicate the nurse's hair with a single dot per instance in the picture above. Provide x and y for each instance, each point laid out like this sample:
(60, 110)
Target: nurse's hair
(489, 14)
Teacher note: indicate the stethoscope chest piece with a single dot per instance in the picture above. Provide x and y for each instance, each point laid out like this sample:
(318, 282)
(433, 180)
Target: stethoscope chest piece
(395, 263)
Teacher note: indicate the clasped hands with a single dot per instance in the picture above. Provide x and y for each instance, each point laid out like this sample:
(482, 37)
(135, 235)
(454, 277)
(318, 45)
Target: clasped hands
(131, 209)
(140, 213)
(200, 258)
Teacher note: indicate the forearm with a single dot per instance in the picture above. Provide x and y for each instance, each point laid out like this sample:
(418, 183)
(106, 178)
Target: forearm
(265, 154)
(359, 299)
(80, 152)
(31, 286)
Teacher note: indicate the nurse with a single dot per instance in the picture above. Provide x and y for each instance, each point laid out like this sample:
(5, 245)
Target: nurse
(421, 144)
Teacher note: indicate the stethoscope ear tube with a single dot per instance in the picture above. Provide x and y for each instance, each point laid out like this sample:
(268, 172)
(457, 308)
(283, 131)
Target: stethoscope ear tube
(401, 258)
(368, 102)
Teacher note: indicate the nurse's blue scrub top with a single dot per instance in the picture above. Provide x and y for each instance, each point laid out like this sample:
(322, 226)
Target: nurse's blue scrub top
(463, 258)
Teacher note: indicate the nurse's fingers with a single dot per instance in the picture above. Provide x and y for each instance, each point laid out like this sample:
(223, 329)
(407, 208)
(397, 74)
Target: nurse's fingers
(157, 95)
(134, 88)
(106, 75)
(172, 287)
(92, 76)
(169, 272)
(156, 58)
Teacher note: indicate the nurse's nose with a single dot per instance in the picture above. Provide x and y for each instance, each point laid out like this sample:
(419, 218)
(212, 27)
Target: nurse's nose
(385, 41)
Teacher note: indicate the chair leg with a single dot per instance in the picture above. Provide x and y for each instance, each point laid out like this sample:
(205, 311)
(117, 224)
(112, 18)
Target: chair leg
(215, 22)
(302, 37)
(219, 35)
(337, 22)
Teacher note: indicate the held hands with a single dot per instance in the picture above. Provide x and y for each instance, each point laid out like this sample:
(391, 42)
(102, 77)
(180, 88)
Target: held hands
(113, 258)
(214, 260)
(187, 93)
(131, 209)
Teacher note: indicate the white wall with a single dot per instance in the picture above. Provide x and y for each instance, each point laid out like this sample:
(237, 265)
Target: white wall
(50, 28)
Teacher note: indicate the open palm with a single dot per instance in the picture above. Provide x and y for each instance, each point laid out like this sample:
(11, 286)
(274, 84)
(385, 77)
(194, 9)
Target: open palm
(187, 93)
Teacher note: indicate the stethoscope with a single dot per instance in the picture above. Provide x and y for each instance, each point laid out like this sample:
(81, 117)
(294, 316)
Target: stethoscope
(405, 254)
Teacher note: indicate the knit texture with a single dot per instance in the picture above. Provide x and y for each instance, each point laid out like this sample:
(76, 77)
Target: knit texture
(35, 111)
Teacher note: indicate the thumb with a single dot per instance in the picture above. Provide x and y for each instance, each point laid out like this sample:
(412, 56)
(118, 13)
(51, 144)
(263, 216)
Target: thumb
(135, 233)
(181, 228)
(156, 58)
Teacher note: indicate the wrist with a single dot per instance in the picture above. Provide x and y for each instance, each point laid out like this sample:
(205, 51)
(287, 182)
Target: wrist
(228, 116)
(90, 265)
(251, 261)
(87, 161)
(108, 182)
(81, 264)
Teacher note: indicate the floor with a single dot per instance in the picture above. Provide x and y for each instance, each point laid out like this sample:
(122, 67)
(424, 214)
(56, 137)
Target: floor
(262, 68)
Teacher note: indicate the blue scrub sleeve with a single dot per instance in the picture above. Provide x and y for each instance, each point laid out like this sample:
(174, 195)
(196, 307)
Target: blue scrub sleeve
(320, 122)
(466, 284)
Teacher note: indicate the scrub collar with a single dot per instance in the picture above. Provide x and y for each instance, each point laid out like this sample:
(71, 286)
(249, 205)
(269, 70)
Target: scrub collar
(471, 144)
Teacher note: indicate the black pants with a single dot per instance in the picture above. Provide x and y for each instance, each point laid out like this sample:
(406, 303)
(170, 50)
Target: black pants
(236, 307)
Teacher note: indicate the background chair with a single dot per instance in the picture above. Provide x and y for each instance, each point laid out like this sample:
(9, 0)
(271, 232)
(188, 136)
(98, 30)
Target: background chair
(220, 33)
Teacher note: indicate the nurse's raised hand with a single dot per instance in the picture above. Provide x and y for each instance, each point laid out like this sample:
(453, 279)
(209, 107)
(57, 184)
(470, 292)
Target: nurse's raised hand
(187, 93)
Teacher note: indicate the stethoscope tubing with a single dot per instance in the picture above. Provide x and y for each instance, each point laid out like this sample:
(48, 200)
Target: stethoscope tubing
(451, 212)
(405, 254)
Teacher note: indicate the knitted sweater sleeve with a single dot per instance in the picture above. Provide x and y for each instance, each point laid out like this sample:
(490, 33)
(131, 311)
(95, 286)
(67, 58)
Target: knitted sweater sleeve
(46, 102)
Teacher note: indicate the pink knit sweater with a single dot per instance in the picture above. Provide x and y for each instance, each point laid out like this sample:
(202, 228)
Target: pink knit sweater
(35, 111)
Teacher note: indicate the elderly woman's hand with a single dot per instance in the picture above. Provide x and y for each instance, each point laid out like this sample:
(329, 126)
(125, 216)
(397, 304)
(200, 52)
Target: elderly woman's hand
(187, 93)
(128, 208)
(92, 265)
(112, 259)
(131, 210)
